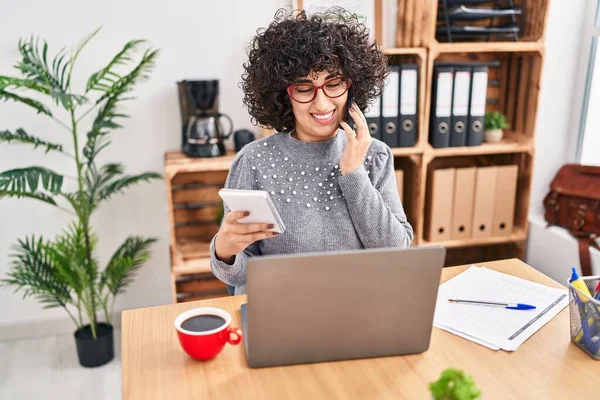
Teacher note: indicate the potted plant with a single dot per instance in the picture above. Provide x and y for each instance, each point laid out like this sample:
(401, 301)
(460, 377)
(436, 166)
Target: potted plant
(495, 123)
(64, 272)
(454, 384)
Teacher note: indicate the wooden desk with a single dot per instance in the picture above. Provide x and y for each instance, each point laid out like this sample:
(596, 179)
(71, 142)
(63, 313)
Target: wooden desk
(547, 366)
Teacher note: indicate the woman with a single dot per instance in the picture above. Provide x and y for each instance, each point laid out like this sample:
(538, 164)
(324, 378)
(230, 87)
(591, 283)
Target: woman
(334, 189)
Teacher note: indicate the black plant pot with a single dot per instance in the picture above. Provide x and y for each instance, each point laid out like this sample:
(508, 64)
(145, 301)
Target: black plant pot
(94, 353)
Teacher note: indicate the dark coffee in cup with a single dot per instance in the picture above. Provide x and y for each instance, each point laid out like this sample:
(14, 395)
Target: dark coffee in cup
(202, 323)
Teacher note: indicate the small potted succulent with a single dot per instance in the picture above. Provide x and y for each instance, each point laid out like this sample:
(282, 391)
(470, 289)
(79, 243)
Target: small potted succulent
(454, 384)
(495, 123)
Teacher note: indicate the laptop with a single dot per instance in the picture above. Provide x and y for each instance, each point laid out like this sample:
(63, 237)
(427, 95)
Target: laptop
(315, 307)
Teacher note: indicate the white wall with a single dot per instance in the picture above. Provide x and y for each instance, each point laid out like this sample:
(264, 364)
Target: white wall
(552, 251)
(554, 126)
(198, 39)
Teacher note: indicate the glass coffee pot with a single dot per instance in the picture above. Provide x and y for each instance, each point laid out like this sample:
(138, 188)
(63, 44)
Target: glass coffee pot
(203, 134)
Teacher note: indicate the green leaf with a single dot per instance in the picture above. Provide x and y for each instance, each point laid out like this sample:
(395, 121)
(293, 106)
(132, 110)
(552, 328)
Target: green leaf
(22, 137)
(495, 120)
(70, 255)
(120, 271)
(106, 77)
(123, 183)
(41, 108)
(18, 83)
(78, 50)
(35, 195)
(26, 180)
(96, 180)
(51, 80)
(115, 88)
(454, 384)
(35, 272)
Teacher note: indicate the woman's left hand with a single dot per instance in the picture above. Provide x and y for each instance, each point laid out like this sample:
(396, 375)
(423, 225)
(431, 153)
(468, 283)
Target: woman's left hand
(358, 143)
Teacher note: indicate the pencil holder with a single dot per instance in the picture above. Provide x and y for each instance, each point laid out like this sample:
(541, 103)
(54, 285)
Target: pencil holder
(584, 312)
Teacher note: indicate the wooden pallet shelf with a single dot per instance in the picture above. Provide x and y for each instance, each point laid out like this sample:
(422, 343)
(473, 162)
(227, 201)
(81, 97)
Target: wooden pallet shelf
(406, 151)
(512, 143)
(191, 257)
(177, 162)
(422, 51)
(517, 236)
(486, 47)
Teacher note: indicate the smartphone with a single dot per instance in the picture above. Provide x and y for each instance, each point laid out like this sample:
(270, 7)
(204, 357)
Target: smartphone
(258, 202)
(348, 119)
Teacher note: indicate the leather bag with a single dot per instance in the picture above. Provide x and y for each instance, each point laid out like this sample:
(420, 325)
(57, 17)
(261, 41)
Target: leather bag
(573, 203)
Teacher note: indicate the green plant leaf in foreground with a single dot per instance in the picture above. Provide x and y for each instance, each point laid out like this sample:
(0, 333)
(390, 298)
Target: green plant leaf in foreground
(20, 136)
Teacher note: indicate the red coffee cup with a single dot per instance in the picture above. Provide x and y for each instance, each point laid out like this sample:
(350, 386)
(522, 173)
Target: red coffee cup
(206, 344)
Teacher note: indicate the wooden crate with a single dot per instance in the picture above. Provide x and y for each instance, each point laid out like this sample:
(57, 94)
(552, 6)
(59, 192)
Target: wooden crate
(194, 208)
(414, 21)
(199, 287)
(514, 80)
(531, 22)
(523, 160)
(411, 196)
(482, 253)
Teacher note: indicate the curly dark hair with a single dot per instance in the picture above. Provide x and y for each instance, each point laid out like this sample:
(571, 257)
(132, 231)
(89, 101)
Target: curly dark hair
(294, 44)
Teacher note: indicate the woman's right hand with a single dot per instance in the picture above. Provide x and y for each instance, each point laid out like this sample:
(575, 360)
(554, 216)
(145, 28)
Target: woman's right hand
(234, 237)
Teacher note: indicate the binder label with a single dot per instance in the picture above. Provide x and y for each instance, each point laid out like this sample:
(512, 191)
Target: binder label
(390, 95)
(460, 105)
(479, 93)
(374, 110)
(408, 92)
(444, 94)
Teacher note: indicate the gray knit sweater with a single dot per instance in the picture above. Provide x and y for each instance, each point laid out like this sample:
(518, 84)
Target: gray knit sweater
(321, 209)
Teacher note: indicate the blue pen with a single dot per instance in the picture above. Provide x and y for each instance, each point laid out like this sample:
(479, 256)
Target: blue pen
(508, 306)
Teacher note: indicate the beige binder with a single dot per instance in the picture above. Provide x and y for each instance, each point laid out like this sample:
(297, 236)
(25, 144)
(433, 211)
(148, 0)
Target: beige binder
(441, 196)
(462, 214)
(485, 194)
(506, 196)
(400, 184)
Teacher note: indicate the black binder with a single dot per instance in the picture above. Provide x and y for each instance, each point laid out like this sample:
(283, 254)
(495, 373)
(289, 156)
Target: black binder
(441, 106)
(390, 101)
(477, 101)
(460, 105)
(409, 100)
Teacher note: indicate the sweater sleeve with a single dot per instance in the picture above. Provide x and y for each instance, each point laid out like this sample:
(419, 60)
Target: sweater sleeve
(374, 204)
(239, 177)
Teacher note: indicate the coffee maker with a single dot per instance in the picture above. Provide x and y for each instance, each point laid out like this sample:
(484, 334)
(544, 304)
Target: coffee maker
(202, 134)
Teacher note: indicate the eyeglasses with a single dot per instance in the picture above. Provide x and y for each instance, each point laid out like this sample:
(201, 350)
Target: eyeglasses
(306, 92)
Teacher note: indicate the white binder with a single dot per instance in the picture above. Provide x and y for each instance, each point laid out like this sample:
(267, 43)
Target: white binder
(390, 108)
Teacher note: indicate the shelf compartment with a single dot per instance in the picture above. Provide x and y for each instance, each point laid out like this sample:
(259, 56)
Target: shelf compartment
(524, 162)
(488, 252)
(531, 21)
(517, 236)
(513, 142)
(514, 81)
(419, 59)
(411, 186)
(199, 287)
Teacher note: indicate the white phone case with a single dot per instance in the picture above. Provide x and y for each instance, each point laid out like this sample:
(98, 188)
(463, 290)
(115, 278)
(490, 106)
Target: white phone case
(257, 202)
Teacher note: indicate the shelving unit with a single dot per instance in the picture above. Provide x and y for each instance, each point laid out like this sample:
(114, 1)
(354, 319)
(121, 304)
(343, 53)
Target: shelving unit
(192, 184)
